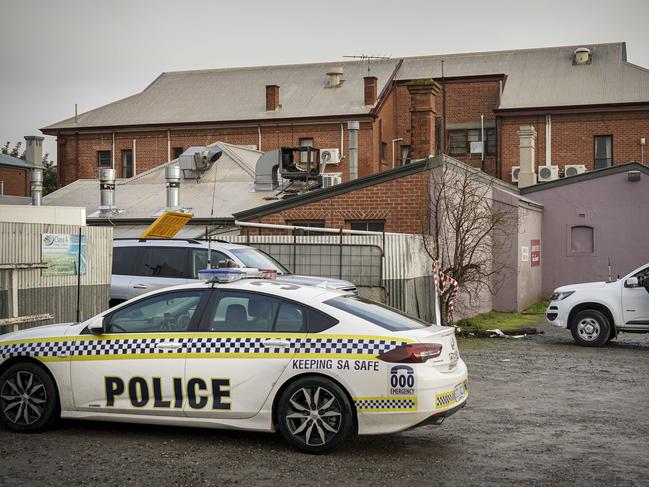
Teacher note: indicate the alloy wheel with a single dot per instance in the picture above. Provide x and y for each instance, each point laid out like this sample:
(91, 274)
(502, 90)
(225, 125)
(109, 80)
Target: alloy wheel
(314, 415)
(23, 398)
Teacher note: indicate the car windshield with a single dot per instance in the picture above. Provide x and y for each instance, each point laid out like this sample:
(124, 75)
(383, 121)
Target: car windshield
(258, 259)
(379, 314)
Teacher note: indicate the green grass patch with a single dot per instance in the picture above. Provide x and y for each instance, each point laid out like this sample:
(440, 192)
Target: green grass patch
(504, 321)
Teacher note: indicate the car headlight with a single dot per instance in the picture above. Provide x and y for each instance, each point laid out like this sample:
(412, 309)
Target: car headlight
(560, 296)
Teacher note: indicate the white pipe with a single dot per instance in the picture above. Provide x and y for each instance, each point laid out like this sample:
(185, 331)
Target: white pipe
(482, 136)
(258, 137)
(342, 140)
(548, 140)
(168, 145)
(134, 157)
(112, 152)
(310, 229)
(393, 141)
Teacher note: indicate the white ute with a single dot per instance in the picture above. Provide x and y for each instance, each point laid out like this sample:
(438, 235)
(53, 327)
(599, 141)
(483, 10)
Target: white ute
(596, 311)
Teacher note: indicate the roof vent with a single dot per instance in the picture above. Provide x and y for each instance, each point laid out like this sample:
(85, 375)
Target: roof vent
(335, 77)
(582, 56)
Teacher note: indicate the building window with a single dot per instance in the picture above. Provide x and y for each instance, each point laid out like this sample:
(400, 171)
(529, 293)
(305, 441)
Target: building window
(306, 142)
(603, 151)
(405, 154)
(368, 226)
(104, 158)
(177, 152)
(582, 240)
(307, 223)
(459, 141)
(384, 151)
(127, 163)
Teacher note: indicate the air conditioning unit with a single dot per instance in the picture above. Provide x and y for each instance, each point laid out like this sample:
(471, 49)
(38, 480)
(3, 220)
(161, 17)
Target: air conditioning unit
(329, 156)
(331, 179)
(548, 173)
(515, 171)
(574, 169)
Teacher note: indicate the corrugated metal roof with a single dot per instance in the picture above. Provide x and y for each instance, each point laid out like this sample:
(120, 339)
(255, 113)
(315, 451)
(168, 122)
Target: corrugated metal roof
(239, 94)
(7, 160)
(545, 77)
(228, 183)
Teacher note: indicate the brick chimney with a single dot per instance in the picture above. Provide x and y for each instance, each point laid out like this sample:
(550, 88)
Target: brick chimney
(272, 98)
(422, 117)
(527, 142)
(370, 90)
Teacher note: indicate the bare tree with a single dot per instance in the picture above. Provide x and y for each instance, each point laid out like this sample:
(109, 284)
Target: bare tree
(467, 229)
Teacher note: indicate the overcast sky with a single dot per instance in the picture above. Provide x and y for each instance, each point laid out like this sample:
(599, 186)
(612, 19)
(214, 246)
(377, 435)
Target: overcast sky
(54, 54)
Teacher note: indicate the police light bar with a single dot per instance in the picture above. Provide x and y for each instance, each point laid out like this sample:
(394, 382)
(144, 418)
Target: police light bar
(230, 275)
(221, 275)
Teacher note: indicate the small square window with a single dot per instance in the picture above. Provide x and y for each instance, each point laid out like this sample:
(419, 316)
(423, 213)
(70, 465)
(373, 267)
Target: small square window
(177, 152)
(104, 158)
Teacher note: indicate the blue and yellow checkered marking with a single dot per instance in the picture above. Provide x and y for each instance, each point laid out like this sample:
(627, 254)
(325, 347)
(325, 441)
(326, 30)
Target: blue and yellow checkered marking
(383, 404)
(115, 347)
(446, 399)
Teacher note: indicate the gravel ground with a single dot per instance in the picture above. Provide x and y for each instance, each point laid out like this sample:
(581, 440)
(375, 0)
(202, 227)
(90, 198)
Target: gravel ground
(541, 411)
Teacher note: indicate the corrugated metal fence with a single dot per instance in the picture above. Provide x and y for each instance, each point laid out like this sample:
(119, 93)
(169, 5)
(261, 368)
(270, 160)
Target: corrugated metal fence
(20, 243)
(398, 264)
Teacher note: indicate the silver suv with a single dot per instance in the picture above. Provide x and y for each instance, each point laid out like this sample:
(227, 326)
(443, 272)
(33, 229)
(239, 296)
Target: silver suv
(143, 265)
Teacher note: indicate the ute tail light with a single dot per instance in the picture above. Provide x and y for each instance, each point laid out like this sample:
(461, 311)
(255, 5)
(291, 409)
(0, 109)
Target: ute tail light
(415, 353)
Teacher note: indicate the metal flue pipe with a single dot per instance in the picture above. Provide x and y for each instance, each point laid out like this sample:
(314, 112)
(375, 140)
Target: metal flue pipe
(107, 189)
(172, 175)
(37, 186)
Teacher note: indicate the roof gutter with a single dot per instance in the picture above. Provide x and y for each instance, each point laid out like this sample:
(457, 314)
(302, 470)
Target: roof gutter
(602, 107)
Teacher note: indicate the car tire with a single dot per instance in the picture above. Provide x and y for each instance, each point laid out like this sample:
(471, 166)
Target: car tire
(314, 415)
(28, 398)
(590, 328)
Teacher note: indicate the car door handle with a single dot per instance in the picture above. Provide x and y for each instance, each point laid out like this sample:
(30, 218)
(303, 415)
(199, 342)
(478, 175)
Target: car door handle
(276, 343)
(169, 345)
(140, 286)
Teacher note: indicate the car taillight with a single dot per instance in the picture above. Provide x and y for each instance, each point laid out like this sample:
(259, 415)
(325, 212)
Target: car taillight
(412, 354)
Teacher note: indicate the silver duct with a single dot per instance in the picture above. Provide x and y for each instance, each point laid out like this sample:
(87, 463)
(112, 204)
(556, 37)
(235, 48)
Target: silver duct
(37, 186)
(107, 189)
(353, 128)
(172, 175)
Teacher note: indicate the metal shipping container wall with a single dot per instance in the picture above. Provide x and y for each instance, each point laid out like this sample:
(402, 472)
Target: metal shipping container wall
(20, 243)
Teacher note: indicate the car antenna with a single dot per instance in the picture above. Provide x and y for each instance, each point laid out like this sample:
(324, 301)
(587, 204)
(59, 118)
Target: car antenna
(609, 269)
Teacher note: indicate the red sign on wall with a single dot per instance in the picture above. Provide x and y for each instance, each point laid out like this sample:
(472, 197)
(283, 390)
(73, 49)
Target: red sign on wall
(535, 253)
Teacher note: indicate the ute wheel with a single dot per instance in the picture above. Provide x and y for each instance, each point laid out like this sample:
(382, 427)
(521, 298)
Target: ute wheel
(28, 398)
(590, 328)
(314, 415)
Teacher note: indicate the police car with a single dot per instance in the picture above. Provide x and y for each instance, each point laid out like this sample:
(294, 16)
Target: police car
(254, 354)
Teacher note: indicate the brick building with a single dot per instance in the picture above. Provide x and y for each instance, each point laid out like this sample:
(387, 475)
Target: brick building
(589, 107)
(14, 176)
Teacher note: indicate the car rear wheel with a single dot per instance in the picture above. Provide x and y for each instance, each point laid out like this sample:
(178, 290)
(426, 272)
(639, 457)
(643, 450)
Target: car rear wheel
(314, 415)
(590, 328)
(28, 398)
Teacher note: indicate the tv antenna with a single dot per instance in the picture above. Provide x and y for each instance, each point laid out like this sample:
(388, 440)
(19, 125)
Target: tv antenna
(369, 58)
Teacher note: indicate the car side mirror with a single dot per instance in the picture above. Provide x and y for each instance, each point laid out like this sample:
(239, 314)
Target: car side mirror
(96, 327)
(631, 282)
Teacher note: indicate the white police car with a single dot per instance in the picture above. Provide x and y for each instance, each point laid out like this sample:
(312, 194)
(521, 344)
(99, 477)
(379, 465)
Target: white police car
(256, 354)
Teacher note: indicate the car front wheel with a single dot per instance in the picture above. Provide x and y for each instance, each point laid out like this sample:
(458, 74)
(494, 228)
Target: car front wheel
(590, 328)
(314, 415)
(28, 398)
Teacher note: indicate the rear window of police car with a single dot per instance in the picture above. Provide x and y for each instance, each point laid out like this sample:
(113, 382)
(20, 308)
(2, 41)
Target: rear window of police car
(376, 313)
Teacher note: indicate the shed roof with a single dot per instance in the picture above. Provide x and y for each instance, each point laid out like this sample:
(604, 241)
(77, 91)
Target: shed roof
(587, 176)
(227, 187)
(7, 160)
